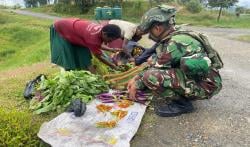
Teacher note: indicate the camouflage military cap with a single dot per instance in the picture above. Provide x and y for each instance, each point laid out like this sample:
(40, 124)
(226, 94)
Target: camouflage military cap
(161, 13)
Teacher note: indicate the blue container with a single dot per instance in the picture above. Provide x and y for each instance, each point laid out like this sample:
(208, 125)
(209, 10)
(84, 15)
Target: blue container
(98, 13)
(117, 13)
(107, 13)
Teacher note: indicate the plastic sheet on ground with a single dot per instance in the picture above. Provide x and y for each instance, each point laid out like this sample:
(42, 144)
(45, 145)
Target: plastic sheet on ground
(66, 130)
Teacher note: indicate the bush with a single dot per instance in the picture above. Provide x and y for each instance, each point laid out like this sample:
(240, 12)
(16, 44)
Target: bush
(239, 9)
(18, 128)
(17, 6)
(194, 6)
(34, 3)
(66, 9)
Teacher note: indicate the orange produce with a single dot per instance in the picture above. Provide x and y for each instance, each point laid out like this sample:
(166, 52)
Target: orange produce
(103, 108)
(124, 103)
(119, 113)
(106, 124)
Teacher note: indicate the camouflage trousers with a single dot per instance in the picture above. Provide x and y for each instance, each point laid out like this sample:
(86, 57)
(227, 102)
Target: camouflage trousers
(173, 83)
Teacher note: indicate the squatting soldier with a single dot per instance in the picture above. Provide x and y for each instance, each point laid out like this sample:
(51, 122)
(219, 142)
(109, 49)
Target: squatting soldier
(183, 68)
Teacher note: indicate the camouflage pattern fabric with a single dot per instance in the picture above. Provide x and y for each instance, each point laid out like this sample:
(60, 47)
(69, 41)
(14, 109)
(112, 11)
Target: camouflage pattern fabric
(161, 13)
(167, 79)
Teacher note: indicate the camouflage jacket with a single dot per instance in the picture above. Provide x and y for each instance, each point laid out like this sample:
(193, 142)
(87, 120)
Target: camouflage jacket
(174, 52)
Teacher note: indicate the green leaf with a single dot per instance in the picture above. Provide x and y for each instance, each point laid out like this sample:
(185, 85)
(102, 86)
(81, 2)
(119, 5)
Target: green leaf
(65, 86)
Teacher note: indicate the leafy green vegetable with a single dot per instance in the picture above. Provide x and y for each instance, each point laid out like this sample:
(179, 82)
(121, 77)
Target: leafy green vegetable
(65, 86)
(121, 68)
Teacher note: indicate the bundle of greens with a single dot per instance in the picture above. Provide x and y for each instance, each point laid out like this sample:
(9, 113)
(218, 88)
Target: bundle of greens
(121, 68)
(56, 94)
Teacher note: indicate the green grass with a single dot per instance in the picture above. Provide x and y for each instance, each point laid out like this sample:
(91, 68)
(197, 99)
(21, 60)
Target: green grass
(43, 9)
(23, 40)
(133, 12)
(209, 18)
(245, 38)
(50, 10)
(18, 126)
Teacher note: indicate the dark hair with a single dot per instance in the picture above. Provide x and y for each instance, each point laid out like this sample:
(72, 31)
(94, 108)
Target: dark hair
(112, 31)
(136, 38)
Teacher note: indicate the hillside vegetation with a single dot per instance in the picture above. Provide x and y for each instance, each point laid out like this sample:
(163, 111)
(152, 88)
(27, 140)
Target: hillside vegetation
(23, 40)
(132, 11)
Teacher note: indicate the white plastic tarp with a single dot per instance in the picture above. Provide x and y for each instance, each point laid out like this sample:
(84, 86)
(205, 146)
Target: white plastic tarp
(66, 130)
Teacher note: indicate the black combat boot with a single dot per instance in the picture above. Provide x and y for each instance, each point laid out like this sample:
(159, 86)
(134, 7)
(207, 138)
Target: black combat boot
(78, 107)
(173, 108)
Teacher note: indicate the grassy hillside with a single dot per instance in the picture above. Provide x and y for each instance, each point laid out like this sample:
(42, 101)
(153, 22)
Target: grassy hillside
(245, 38)
(132, 11)
(23, 40)
(209, 18)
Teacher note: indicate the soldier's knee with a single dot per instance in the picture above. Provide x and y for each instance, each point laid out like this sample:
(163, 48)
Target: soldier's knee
(153, 79)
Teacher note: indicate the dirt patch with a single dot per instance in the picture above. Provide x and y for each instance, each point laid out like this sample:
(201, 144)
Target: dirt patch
(34, 69)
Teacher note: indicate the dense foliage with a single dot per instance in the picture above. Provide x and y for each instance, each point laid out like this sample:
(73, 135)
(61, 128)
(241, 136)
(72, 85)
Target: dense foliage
(55, 94)
(221, 4)
(35, 3)
(18, 128)
(194, 6)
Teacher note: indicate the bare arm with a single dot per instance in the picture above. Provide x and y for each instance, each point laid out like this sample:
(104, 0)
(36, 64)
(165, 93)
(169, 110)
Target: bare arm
(106, 48)
(125, 41)
(103, 60)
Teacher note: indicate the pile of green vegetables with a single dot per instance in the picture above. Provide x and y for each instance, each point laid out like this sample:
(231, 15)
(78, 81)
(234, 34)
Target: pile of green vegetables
(121, 68)
(55, 94)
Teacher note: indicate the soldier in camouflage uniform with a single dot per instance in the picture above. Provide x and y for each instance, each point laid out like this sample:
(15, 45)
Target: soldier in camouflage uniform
(180, 70)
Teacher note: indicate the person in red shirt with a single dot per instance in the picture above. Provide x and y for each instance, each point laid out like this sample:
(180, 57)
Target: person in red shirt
(73, 41)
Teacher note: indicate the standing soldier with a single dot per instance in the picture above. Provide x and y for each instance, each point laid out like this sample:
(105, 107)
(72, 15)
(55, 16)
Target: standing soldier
(184, 68)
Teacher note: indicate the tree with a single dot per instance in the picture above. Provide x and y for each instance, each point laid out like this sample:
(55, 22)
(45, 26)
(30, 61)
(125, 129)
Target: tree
(30, 3)
(203, 1)
(194, 6)
(221, 4)
(84, 5)
(34, 3)
(42, 2)
(240, 9)
(183, 1)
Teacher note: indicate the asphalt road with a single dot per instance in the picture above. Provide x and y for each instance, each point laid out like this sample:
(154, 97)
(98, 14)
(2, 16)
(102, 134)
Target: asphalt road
(223, 120)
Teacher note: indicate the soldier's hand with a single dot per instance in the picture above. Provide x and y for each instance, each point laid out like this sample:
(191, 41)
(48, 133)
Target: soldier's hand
(131, 59)
(132, 89)
(150, 60)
